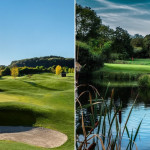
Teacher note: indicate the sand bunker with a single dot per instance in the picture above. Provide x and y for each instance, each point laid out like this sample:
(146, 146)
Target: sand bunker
(41, 137)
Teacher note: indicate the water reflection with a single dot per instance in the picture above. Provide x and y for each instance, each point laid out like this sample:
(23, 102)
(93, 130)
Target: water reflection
(123, 95)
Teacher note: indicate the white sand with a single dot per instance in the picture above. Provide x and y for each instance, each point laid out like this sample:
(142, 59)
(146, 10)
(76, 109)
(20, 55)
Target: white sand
(41, 137)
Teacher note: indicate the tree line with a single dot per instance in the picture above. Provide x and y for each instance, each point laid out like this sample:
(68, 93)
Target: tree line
(47, 61)
(98, 41)
(20, 71)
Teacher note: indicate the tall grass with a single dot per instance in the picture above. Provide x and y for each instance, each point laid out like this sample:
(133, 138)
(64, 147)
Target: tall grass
(101, 112)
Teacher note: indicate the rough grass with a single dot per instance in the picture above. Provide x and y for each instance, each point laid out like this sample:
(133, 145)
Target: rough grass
(48, 97)
(136, 61)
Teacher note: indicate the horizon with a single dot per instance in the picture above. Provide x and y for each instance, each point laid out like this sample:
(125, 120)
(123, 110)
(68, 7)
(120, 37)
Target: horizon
(35, 57)
(36, 28)
(132, 16)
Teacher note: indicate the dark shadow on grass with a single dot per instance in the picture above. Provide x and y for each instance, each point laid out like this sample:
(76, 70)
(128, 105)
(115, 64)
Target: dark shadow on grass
(1, 90)
(14, 117)
(14, 129)
(40, 86)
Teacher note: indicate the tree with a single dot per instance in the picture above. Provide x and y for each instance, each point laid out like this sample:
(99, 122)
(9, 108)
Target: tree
(106, 50)
(58, 70)
(6, 71)
(87, 23)
(87, 58)
(121, 43)
(72, 70)
(146, 43)
(105, 33)
(14, 72)
(0, 72)
(137, 41)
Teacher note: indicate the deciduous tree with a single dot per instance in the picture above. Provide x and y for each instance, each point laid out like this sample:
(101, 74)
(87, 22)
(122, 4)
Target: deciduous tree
(58, 70)
(14, 72)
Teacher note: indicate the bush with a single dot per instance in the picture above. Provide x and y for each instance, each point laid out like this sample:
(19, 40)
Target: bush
(144, 81)
(114, 56)
(86, 58)
(6, 71)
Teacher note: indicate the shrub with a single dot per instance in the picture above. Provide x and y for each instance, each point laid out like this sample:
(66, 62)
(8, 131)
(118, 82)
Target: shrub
(114, 56)
(6, 71)
(144, 81)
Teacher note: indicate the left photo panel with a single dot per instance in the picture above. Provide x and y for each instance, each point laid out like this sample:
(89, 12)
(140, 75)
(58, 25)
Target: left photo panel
(37, 74)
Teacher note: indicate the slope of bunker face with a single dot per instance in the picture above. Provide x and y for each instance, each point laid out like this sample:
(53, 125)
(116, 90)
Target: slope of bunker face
(18, 114)
(12, 117)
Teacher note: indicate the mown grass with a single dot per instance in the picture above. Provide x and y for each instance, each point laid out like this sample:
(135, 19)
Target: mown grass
(126, 68)
(48, 97)
(117, 72)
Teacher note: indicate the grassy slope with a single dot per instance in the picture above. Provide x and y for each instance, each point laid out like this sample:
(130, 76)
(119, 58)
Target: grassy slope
(47, 94)
(126, 68)
(138, 61)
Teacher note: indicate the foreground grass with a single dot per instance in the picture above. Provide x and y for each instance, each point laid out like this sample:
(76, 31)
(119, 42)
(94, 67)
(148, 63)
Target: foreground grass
(50, 98)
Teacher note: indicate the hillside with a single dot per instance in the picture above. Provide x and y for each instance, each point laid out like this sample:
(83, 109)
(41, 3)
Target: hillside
(46, 61)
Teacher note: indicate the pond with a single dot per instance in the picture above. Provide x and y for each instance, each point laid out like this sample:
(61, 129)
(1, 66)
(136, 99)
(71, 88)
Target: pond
(124, 94)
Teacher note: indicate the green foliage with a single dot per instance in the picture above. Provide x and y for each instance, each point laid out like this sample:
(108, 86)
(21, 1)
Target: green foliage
(121, 43)
(144, 81)
(6, 71)
(87, 23)
(71, 70)
(105, 33)
(114, 56)
(46, 62)
(109, 113)
(87, 58)
(147, 44)
(102, 40)
(137, 41)
(15, 72)
(106, 50)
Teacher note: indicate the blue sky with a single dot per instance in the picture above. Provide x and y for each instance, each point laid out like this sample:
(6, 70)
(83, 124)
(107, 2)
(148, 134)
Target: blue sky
(34, 28)
(132, 15)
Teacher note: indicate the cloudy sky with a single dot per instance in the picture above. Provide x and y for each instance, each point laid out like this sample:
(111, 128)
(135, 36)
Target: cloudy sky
(132, 15)
(34, 28)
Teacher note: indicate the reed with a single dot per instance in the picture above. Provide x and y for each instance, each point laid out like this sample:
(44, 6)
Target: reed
(102, 112)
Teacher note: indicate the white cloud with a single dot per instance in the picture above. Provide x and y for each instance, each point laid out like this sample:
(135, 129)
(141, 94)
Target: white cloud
(110, 5)
(131, 18)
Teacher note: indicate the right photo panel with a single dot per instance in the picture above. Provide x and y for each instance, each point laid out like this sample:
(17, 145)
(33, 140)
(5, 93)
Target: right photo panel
(112, 75)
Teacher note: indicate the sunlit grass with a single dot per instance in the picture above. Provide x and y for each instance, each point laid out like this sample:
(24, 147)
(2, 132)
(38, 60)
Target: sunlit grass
(47, 94)
(126, 68)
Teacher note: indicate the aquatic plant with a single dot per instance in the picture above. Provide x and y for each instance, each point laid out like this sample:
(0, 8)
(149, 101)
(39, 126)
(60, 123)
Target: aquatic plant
(101, 112)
